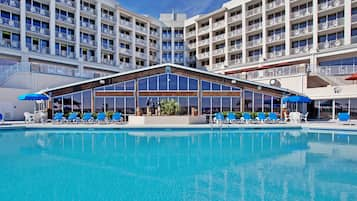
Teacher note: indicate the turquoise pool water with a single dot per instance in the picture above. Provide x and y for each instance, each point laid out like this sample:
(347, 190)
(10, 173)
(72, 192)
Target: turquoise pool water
(192, 164)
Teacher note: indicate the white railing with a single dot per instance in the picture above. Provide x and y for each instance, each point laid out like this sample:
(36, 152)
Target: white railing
(9, 22)
(276, 20)
(255, 58)
(276, 37)
(254, 42)
(218, 37)
(218, 65)
(235, 33)
(255, 26)
(235, 62)
(203, 55)
(125, 51)
(66, 2)
(330, 4)
(141, 55)
(218, 51)
(254, 11)
(274, 4)
(88, 9)
(331, 44)
(301, 31)
(218, 24)
(190, 34)
(125, 37)
(303, 49)
(191, 45)
(331, 24)
(140, 41)
(336, 70)
(12, 3)
(9, 44)
(276, 72)
(140, 28)
(126, 23)
(235, 18)
(276, 54)
(124, 65)
(203, 29)
(235, 47)
(8, 70)
(108, 17)
(203, 42)
(301, 13)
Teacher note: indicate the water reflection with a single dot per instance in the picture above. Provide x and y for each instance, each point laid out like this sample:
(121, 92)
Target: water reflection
(194, 164)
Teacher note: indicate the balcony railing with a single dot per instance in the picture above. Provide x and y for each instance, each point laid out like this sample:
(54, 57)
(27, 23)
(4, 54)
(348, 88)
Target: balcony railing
(203, 42)
(331, 44)
(218, 37)
(108, 17)
(203, 55)
(108, 61)
(155, 45)
(89, 58)
(301, 31)
(124, 65)
(191, 45)
(37, 29)
(179, 47)
(191, 59)
(166, 47)
(10, 44)
(12, 3)
(37, 10)
(302, 49)
(88, 25)
(301, 13)
(331, 24)
(234, 33)
(179, 60)
(65, 19)
(126, 23)
(141, 55)
(330, 4)
(235, 18)
(125, 51)
(276, 20)
(190, 34)
(64, 36)
(64, 53)
(68, 3)
(253, 43)
(154, 58)
(88, 42)
(108, 31)
(255, 58)
(218, 65)
(276, 72)
(218, 51)
(276, 54)
(140, 41)
(219, 24)
(235, 61)
(179, 36)
(108, 47)
(140, 28)
(254, 27)
(235, 47)
(275, 4)
(203, 29)
(9, 22)
(254, 11)
(166, 36)
(154, 33)
(88, 9)
(125, 37)
(37, 49)
(276, 37)
(336, 70)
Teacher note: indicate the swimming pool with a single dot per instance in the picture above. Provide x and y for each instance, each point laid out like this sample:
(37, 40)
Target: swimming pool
(177, 164)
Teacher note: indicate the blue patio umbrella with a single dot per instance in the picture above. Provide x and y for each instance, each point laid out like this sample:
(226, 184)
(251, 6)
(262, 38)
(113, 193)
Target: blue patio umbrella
(296, 99)
(33, 97)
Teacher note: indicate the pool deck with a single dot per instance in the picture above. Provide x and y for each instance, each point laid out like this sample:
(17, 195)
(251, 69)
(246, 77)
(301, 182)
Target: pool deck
(314, 125)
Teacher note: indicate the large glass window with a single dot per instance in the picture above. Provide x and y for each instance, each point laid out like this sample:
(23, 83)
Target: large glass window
(143, 84)
(153, 83)
(57, 105)
(109, 104)
(77, 102)
(216, 104)
(87, 101)
(206, 86)
(193, 104)
(267, 103)
(67, 104)
(248, 101)
(236, 104)
(172, 82)
(258, 107)
(130, 85)
(183, 102)
(99, 104)
(193, 84)
(183, 83)
(206, 105)
(353, 108)
(130, 105)
(226, 104)
(143, 103)
(120, 105)
(163, 82)
(341, 105)
(276, 105)
(326, 109)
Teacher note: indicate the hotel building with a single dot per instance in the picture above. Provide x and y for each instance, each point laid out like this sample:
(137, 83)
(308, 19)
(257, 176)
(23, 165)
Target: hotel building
(306, 46)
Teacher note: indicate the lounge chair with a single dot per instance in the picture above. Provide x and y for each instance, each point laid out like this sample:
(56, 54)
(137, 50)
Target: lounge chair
(117, 117)
(58, 117)
(246, 117)
(101, 117)
(344, 118)
(261, 117)
(29, 118)
(231, 117)
(273, 118)
(87, 117)
(73, 117)
(1, 118)
(218, 118)
(304, 116)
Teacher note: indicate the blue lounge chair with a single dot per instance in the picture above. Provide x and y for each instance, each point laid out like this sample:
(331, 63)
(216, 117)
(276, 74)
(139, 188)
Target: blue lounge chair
(101, 117)
(344, 118)
(231, 117)
(273, 118)
(87, 117)
(58, 117)
(246, 117)
(218, 118)
(117, 117)
(261, 117)
(1, 118)
(73, 117)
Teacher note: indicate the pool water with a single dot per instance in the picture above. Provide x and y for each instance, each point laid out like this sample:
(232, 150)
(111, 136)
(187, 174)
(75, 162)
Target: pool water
(192, 164)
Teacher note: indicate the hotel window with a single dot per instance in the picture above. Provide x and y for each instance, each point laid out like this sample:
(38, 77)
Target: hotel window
(226, 104)
(341, 105)
(258, 107)
(57, 105)
(109, 104)
(206, 105)
(77, 102)
(87, 101)
(67, 104)
(267, 103)
(99, 104)
(353, 108)
(236, 104)
(276, 105)
(248, 101)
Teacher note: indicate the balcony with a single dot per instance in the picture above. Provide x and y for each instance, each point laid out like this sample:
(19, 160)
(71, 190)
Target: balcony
(166, 60)
(37, 10)
(276, 20)
(254, 58)
(108, 17)
(155, 45)
(88, 25)
(218, 65)
(331, 24)
(10, 23)
(190, 34)
(219, 51)
(166, 36)
(234, 33)
(218, 25)
(276, 54)
(140, 41)
(191, 59)
(254, 27)
(107, 31)
(37, 49)
(235, 18)
(10, 44)
(155, 33)
(331, 44)
(235, 47)
(140, 29)
(125, 51)
(125, 37)
(330, 4)
(140, 55)
(218, 38)
(11, 3)
(191, 45)
(154, 58)
(64, 36)
(180, 47)
(88, 10)
(126, 23)
(37, 29)
(124, 65)
(276, 37)
(65, 19)
(255, 42)
(301, 31)
(166, 48)
(88, 58)
(203, 55)
(302, 49)
(301, 13)
(108, 47)
(274, 4)
(64, 53)
(108, 61)
(254, 11)
(235, 61)
(204, 29)
(179, 60)
(203, 42)
(178, 36)
(88, 42)
(67, 3)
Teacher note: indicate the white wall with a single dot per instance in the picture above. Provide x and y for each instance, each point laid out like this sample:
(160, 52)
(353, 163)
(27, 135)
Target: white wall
(11, 107)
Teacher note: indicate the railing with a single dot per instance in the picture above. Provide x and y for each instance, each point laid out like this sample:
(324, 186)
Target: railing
(255, 26)
(276, 37)
(125, 51)
(179, 60)
(37, 10)
(108, 47)
(235, 62)
(66, 2)
(88, 42)
(37, 29)
(64, 18)
(66, 54)
(303, 49)
(9, 44)
(165, 47)
(88, 25)
(125, 37)
(65, 36)
(37, 49)
(301, 13)
(108, 17)
(274, 4)
(330, 4)
(218, 51)
(140, 41)
(154, 33)
(276, 72)
(203, 29)
(190, 34)
(179, 36)
(124, 65)
(254, 42)
(191, 59)
(276, 54)
(254, 11)
(191, 45)
(140, 28)
(218, 65)
(336, 70)
(235, 47)
(141, 55)
(8, 70)
(276, 20)
(203, 55)
(203, 42)
(107, 31)
(235, 18)
(331, 44)
(235, 33)
(218, 37)
(331, 24)
(218, 24)
(108, 62)
(180, 47)
(9, 22)
(155, 45)
(301, 31)
(88, 9)
(126, 23)
(255, 58)
(12, 3)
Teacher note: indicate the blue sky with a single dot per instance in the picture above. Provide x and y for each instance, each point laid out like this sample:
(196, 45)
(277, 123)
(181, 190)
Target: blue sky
(154, 7)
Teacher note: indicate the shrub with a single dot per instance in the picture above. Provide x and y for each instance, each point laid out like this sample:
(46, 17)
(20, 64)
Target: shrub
(169, 107)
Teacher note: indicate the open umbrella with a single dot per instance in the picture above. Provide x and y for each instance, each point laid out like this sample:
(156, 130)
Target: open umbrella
(353, 77)
(296, 99)
(33, 97)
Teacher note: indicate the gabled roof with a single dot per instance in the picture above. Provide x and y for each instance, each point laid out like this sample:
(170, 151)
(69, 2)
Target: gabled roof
(257, 84)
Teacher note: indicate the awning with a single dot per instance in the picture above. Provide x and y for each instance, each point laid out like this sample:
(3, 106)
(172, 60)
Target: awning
(296, 99)
(33, 97)
(352, 77)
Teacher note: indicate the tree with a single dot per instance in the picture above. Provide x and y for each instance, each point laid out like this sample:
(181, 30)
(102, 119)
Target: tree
(169, 107)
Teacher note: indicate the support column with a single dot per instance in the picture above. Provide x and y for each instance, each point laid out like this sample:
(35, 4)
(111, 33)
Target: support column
(287, 28)
(52, 28)
(197, 49)
(116, 40)
(160, 43)
(347, 21)
(99, 31)
(23, 26)
(199, 95)
(172, 45)
(264, 32)
(148, 45)
(133, 48)
(210, 43)
(77, 29)
(226, 42)
(244, 35)
(315, 38)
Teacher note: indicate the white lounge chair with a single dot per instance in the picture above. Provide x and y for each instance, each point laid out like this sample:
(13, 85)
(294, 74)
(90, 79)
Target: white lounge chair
(304, 116)
(29, 118)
